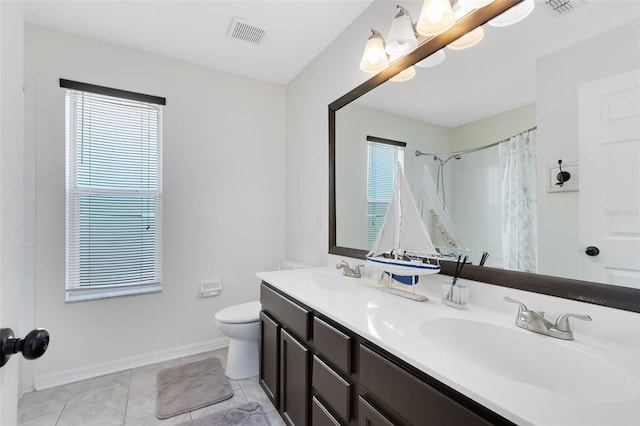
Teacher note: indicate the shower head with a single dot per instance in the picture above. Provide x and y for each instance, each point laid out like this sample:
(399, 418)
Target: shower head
(443, 162)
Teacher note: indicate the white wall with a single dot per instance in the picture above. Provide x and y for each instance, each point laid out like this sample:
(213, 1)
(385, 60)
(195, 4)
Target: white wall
(11, 208)
(223, 210)
(330, 75)
(493, 129)
(558, 77)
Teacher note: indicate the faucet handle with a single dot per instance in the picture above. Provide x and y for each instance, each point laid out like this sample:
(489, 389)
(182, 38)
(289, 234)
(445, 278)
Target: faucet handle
(342, 264)
(523, 313)
(521, 308)
(562, 323)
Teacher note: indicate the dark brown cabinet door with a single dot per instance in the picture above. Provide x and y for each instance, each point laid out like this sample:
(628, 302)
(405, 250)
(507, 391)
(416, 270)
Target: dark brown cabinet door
(369, 416)
(320, 416)
(294, 380)
(270, 358)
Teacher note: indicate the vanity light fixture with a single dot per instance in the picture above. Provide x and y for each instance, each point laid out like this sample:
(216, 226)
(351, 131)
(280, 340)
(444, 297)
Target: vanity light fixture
(516, 14)
(473, 4)
(436, 17)
(471, 38)
(374, 58)
(402, 38)
(432, 60)
(404, 75)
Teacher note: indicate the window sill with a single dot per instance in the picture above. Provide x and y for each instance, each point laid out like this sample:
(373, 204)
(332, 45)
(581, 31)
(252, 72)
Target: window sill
(83, 294)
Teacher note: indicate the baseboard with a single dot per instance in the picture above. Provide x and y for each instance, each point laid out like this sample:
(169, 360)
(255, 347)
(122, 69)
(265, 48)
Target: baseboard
(47, 381)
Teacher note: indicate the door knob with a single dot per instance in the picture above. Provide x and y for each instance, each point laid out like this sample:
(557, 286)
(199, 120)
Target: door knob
(592, 251)
(33, 346)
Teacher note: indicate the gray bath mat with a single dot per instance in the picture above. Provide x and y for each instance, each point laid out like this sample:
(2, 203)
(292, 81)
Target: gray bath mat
(248, 414)
(191, 386)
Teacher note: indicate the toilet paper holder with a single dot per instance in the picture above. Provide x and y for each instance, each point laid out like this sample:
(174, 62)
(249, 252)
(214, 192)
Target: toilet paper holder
(210, 288)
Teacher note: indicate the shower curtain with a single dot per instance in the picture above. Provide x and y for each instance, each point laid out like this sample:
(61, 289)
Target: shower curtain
(519, 217)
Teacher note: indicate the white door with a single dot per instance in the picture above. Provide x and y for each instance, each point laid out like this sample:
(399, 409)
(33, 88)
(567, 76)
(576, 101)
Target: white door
(609, 145)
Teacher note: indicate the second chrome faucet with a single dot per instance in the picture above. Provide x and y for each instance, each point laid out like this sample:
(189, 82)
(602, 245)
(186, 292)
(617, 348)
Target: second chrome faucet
(348, 271)
(535, 321)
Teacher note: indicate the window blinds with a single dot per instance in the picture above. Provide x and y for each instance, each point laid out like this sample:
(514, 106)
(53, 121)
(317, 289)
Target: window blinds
(381, 168)
(113, 186)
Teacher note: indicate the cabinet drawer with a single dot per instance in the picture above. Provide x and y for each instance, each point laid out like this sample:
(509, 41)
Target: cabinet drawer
(332, 344)
(332, 388)
(290, 314)
(320, 416)
(418, 402)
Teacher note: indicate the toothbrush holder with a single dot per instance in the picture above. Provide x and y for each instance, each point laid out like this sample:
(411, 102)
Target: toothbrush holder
(455, 295)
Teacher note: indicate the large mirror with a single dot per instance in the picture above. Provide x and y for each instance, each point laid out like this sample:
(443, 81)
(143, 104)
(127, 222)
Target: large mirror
(529, 79)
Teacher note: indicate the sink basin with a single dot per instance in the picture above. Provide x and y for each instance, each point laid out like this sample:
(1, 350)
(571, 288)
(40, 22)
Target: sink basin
(533, 359)
(328, 280)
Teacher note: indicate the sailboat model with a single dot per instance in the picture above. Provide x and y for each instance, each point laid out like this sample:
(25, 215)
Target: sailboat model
(442, 231)
(403, 248)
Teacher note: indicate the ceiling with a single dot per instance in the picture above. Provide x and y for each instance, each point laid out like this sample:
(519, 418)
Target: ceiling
(501, 68)
(196, 31)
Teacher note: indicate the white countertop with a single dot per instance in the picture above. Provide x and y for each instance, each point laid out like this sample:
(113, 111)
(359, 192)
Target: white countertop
(402, 327)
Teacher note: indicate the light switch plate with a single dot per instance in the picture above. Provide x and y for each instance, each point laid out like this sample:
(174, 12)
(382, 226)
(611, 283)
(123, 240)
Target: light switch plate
(571, 185)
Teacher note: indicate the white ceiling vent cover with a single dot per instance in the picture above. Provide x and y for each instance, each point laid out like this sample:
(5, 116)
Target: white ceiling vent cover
(241, 29)
(563, 6)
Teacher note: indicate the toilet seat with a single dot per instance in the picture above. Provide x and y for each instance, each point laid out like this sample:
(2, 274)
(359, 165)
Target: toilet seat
(240, 314)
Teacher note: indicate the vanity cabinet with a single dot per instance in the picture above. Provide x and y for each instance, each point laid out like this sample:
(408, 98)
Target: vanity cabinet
(321, 373)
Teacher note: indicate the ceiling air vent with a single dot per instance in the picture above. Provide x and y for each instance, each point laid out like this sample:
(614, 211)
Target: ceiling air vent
(563, 6)
(243, 30)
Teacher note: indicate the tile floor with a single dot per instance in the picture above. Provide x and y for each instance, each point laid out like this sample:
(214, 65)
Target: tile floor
(127, 398)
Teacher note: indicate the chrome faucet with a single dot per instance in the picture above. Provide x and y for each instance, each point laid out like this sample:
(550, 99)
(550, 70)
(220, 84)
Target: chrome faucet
(536, 322)
(348, 271)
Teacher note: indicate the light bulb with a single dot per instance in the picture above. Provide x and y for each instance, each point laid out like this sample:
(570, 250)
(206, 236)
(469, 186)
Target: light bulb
(516, 14)
(436, 17)
(374, 58)
(471, 38)
(402, 39)
(404, 75)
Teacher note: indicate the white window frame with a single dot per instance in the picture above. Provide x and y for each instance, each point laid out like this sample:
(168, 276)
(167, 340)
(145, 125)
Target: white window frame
(74, 289)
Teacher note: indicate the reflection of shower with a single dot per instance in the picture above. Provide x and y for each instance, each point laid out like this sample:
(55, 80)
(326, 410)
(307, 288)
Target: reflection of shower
(440, 174)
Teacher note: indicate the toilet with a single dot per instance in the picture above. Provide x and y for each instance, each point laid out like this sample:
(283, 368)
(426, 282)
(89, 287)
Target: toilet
(241, 324)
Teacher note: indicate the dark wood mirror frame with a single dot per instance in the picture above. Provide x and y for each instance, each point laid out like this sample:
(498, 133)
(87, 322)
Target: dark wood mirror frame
(600, 294)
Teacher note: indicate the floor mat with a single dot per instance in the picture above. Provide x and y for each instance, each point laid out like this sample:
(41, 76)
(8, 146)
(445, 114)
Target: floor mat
(190, 387)
(248, 414)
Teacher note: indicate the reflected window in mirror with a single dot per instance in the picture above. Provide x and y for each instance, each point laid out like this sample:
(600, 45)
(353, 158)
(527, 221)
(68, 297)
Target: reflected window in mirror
(382, 156)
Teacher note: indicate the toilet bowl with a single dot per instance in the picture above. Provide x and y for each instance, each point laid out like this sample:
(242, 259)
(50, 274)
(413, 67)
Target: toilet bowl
(241, 324)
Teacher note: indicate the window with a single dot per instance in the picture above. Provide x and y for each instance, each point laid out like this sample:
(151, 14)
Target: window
(113, 192)
(383, 154)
